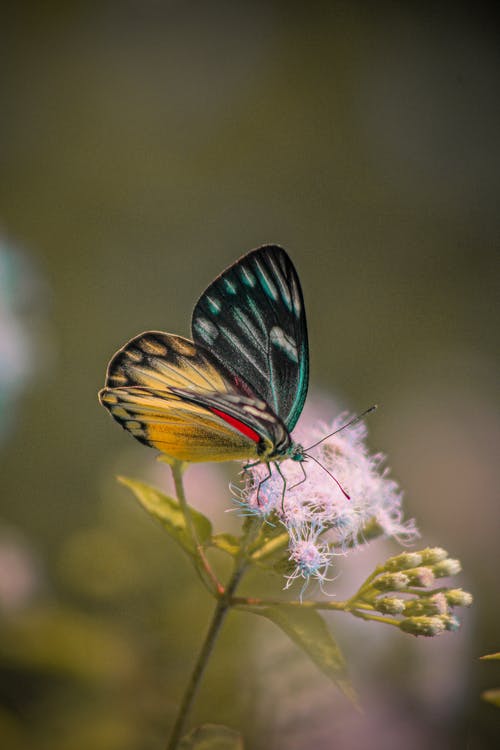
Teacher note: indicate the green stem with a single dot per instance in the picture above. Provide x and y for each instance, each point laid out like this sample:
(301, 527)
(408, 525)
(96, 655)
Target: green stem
(218, 618)
(423, 591)
(204, 568)
(367, 584)
(224, 603)
(364, 611)
(248, 601)
(376, 618)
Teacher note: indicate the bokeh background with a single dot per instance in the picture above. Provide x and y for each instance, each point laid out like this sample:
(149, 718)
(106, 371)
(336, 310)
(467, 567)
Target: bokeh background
(143, 147)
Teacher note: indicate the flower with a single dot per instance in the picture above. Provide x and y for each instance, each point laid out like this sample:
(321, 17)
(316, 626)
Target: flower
(331, 501)
(311, 556)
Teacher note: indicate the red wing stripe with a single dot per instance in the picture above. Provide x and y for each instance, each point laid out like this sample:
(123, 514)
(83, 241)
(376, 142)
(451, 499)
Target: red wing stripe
(240, 426)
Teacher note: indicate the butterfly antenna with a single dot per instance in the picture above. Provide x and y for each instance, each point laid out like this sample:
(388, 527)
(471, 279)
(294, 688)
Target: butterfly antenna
(331, 475)
(348, 424)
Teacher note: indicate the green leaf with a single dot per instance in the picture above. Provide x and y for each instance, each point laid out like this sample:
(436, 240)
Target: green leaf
(227, 543)
(492, 696)
(270, 548)
(268, 533)
(212, 737)
(308, 630)
(168, 512)
(490, 657)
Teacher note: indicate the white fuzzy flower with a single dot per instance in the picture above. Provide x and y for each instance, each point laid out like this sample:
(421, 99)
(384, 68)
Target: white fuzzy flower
(338, 492)
(310, 555)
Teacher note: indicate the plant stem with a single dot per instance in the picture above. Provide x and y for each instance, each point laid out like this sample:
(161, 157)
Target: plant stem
(224, 603)
(358, 610)
(215, 584)
(367, 584)
(376, 618)
(419, 591)
(218, 617)
(248, 601)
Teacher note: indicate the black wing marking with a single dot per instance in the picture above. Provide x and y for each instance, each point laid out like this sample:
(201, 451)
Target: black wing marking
(158, 360)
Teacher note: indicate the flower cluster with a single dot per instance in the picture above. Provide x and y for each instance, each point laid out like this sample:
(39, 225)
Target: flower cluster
(339, 497)
(405, 586)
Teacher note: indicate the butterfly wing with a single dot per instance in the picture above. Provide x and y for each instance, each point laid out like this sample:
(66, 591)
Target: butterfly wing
(249, 416)
(252, 321)
(182, 430)
(169, 395)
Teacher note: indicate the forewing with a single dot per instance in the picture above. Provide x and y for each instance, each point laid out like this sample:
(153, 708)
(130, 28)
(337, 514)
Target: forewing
(146, 390)
(252, 321)
(163, 360)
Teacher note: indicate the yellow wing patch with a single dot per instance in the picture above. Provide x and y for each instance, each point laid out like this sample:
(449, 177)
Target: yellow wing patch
(182, 430)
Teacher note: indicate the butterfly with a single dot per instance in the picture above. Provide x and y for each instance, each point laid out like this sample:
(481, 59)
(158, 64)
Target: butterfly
(236, 390)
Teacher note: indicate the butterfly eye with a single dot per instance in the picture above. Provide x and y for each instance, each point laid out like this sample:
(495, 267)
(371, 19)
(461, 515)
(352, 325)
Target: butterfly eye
(298, 453)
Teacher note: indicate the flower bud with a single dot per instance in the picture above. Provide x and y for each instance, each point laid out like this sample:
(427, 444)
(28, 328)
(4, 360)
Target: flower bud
(447, 568)
(428, 626)
(427, 605)
(438, 604)
(451, 622)
(431, 555)
(403, 561)
(458, 598)
(390, 605)
(422, 577)
(391, 582)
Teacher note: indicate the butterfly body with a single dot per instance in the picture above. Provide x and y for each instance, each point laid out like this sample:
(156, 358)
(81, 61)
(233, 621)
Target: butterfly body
(236, 390)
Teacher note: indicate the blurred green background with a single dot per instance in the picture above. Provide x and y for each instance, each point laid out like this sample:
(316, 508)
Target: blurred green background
(143, 147)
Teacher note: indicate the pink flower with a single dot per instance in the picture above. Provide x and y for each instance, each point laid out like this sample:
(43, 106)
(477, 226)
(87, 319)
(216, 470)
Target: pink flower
(339, 493)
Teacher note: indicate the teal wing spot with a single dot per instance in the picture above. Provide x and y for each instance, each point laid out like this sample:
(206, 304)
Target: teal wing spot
(247, 277)
(214, 305)
(266, 283)
(230, 286)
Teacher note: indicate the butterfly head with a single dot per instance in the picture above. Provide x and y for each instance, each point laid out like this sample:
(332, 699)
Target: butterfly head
(284, 451)
(297, 452)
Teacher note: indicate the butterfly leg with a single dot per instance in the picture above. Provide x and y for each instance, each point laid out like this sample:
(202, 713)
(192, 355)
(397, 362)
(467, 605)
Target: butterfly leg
(303, 479)
(246, 471)
(284, 486)
(262, 481)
